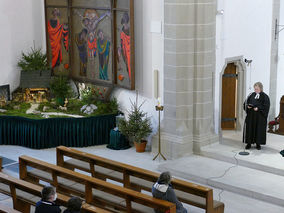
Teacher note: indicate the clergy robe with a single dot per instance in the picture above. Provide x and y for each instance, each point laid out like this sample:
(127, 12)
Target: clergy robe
(256, 121)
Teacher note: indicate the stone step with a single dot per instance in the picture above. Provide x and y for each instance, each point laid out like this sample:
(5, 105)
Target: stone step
(266, 160)
(274, 142)
(252, 183)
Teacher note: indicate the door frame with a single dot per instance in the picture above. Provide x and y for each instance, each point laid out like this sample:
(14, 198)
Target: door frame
(241, 90)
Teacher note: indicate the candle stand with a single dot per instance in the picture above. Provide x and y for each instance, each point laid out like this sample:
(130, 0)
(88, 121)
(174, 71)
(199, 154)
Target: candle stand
(159, 108)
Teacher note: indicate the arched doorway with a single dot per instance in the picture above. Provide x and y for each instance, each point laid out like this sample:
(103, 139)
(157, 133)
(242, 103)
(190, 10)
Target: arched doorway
(240, 93)
(229, 97)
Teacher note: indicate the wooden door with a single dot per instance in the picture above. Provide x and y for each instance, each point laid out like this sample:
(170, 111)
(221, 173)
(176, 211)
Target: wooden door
(229, 97)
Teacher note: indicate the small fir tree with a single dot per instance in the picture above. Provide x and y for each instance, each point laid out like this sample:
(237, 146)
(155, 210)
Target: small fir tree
(138, 125)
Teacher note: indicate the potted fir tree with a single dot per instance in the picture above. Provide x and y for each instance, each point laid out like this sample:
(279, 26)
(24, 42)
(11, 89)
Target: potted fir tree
(35, 72)
(137, 127)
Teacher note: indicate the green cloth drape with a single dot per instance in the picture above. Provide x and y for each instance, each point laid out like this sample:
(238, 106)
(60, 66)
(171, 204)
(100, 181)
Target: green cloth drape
(52, 132)
(117, 141)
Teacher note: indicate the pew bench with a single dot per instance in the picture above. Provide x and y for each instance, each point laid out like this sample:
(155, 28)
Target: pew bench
(95, 191)
(6, 209)
(136, 178)
(0, 163)
(24, 194)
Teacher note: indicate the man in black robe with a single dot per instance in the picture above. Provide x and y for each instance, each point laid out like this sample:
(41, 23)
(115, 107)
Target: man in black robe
(257, 108)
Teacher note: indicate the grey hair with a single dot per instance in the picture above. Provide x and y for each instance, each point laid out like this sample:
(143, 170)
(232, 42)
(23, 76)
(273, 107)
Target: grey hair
(165, 178)
(47, 192)
(259, 84)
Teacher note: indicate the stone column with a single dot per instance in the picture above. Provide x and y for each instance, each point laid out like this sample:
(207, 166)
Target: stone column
(205, 43)
(189, 64)
(274, 61)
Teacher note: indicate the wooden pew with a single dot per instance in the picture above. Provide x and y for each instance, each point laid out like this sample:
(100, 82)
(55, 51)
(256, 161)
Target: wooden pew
(136, 178)
(6, 209)
(24, 194)
(0, 163)
(95, 191)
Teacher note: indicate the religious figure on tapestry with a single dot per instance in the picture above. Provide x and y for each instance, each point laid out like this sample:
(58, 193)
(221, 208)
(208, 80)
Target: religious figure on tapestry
(92, 45)
(103, 52)
(90, 20)
(124, 49)
(81, 41)
(57, 32)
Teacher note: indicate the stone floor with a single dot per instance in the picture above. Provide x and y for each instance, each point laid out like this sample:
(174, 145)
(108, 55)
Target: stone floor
(254, 183)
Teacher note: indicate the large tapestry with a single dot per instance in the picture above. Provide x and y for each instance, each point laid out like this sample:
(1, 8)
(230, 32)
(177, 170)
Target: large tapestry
(92, 40)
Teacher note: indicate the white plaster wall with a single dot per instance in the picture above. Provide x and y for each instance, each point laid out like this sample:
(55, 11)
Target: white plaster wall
(243, 30)
(280, 72)
(21, 24)
(148, 46)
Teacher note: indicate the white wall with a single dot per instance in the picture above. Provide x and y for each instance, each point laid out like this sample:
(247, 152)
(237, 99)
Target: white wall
(244, 30)
(149, 52)
(280, 73)
(21, 23)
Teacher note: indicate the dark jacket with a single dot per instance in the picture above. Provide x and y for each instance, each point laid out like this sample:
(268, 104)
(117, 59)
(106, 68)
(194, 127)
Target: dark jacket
(166, 192)
(47, 207)
(68, 211)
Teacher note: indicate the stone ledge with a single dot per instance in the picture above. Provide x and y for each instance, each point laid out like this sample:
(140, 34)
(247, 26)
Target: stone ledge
(173, 146)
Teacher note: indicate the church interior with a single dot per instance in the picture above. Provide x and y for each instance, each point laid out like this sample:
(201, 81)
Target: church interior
(142, 106)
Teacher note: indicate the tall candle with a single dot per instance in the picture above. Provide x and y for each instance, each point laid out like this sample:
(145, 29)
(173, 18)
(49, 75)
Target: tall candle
(156, 84)
(159, 102)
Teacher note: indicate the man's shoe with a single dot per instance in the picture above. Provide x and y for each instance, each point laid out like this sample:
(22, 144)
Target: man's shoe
(248, 146)
(258, 147)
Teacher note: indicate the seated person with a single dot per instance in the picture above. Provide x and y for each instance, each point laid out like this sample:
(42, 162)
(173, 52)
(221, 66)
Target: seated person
(74, 205)
(46, 204)
(163, 190)
(273, 123)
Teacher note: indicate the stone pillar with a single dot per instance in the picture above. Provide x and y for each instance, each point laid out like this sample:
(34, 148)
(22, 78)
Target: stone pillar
(274, 61)
(189, 64)
(203, 93)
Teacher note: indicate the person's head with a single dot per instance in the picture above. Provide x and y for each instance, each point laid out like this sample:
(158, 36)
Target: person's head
(258, 87)
(165, 178)
(74, 204)
(55, 12)
(48, 193)
(100, 34)
(83, 33)
(91, 36)
(86, 22)
(125, 20)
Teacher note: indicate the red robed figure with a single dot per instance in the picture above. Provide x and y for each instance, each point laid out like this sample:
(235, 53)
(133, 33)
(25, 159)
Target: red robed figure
(55, 35)
(125, 43)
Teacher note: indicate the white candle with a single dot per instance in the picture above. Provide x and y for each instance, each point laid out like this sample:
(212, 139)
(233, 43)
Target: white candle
(159, 102)
(156, 84)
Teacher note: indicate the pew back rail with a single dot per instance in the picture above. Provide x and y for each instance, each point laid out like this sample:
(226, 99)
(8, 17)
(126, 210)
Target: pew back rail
(91, 189)
(136, 178)
(24, 194)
